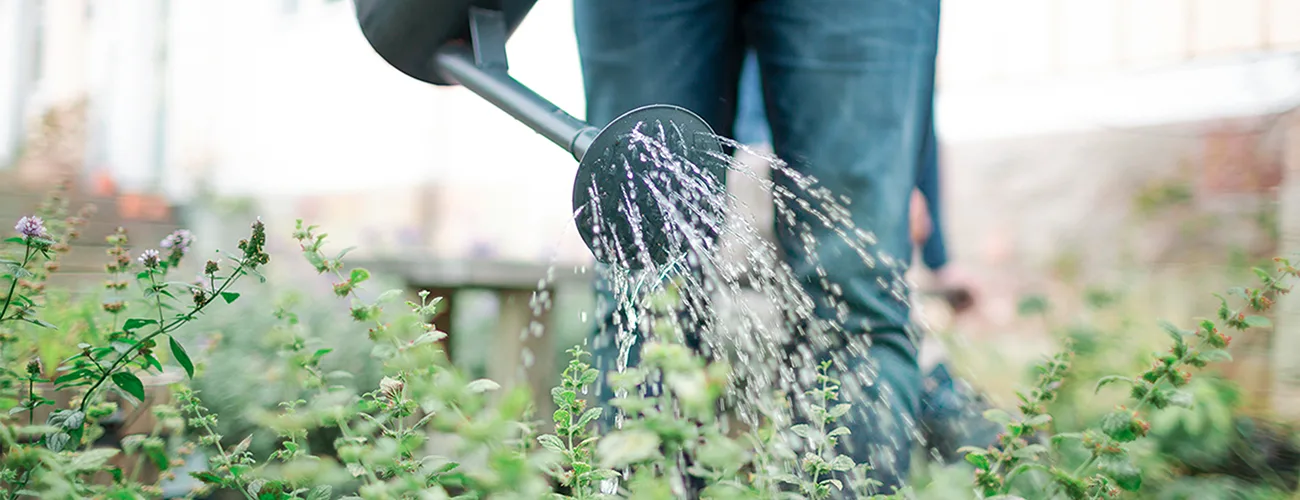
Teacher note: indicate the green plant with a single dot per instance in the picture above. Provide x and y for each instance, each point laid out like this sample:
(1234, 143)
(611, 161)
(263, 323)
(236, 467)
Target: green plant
(1108, 466)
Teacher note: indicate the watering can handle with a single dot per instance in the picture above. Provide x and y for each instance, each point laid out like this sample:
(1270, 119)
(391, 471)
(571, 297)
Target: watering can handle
(457, 63)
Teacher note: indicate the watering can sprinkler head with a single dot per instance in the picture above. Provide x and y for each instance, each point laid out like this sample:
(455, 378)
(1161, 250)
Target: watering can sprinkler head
(626, 196)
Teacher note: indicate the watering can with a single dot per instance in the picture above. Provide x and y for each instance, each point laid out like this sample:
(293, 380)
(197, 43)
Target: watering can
(463, 42)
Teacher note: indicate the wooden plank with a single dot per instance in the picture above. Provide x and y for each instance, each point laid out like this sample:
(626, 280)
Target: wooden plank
(480, 274)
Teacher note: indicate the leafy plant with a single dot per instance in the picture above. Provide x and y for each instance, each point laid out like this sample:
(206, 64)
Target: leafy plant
(1108, 466)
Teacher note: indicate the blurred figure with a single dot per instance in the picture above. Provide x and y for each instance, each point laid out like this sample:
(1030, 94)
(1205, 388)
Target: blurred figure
(951, 412)
(847, 90)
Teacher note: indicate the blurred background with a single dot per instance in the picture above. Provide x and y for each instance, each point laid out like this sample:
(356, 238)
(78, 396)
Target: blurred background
(1138, 151)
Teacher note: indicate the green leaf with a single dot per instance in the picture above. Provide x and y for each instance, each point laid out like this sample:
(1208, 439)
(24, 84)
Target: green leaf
(1179, 336)
(1121, 469)
(388, 296)
(552, 443)
(129, 383)
(1215, 356)
(178, 352)
(67, 419)
(627, 447)
(998, 416)
(801, 430)
(838, 411)
(91, 459)
(1120, 425)
(979, 458)
(207, 477)
(358, 275)
(57, 441)
(1038, 420)
(135, 323)
(229, 297)
(1112, 378)
(41, 323)
(1257, 322)
(588, 416)
(1181, 398)
(1030, 451)
(322, 492)
(482, 385)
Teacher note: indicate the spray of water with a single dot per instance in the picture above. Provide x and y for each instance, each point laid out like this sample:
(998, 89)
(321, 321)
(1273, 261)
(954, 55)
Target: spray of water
(677, 231)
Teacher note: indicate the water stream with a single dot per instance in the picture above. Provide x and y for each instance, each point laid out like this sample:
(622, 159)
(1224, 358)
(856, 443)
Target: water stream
(740, 298)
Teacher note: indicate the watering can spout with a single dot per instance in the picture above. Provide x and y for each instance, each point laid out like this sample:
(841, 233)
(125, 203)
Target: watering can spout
(618, 198)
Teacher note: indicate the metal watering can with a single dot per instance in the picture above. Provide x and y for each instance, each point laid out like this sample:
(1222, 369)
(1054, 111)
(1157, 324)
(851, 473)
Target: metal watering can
(462, 42)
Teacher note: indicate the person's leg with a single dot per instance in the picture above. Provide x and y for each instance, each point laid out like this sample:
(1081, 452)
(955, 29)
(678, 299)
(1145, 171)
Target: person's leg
(635, 53)
(845, 84)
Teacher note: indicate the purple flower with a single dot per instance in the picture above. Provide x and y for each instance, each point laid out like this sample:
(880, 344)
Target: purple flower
(31, 227)
(177, 244)
(149, 258)
(180, 240)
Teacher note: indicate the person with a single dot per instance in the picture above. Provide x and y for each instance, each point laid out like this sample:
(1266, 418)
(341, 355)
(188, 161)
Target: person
(950, 410)
(847, 87)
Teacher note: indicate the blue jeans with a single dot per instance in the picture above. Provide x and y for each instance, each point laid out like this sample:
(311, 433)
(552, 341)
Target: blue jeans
(847, 87)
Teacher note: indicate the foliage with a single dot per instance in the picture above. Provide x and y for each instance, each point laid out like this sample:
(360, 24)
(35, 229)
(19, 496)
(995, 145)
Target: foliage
(410, 425)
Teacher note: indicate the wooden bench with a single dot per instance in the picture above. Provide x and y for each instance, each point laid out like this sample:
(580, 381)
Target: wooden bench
(514, 284)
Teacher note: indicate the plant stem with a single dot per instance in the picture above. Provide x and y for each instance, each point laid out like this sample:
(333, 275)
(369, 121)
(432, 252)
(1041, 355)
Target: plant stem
(128, 356)
(13, 285)
(31, 398)
(224, 457)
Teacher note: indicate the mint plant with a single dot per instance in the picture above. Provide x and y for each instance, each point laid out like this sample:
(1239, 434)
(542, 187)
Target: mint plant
(1109, 467)
(576, 470)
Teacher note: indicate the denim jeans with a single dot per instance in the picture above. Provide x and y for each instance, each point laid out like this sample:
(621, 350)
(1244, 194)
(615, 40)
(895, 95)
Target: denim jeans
(847, 87)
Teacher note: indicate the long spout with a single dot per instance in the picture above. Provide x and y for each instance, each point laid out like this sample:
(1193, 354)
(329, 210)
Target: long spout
(458, 64)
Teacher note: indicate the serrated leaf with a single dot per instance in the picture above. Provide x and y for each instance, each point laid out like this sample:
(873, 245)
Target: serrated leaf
(589, 415)
(322, 492)
(839, 410)
(57, 441)
(182, 358)
(552, 443)
(838, 431)
(129, 383)
(229, 297)
(842, 463)
(66, 419)
(801, 430)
